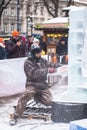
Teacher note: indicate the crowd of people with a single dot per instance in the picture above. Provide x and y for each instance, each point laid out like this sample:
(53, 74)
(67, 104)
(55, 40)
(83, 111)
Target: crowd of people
(19, 46)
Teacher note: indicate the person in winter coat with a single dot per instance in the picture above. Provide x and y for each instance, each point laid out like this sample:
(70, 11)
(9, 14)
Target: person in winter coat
(62, 47)
(2, 49)
(36, 70)
(15, 47)
(62, 50)
(37, 41)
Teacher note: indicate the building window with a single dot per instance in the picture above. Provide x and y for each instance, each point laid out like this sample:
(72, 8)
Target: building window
(6, 11)
(42, 10)
(5, 29)
(12, 27)
(13, 11)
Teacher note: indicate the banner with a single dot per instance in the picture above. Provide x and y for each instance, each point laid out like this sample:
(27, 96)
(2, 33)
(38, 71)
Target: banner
(12, 76)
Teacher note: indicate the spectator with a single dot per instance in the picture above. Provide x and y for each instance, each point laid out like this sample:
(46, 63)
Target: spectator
(25, 42)
(29, 42)
(15, 47)
(62, 48)
(36, 41)
(43, 44)
(2, 49)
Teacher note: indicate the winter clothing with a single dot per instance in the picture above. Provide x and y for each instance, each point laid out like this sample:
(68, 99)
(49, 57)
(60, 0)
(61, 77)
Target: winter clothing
(35, 49)
(13, 121)
(62, 49)
(43, 46)
(36, 72)
(43, 52)
(43, 96)
(1, 39)
(36, 84)
(35, 41)
(15, 33)
(23, 39)
(52, 70)
(30, 42)
(13, 50)
(2, 51)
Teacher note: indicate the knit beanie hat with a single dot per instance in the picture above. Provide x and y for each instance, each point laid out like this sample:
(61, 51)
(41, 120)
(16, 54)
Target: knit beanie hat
(35, 49)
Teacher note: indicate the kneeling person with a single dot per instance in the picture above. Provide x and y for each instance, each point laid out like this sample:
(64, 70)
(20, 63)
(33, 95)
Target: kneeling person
(36, 70)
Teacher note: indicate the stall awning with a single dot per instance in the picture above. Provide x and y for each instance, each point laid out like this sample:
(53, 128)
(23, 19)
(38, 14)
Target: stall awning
(58, 22)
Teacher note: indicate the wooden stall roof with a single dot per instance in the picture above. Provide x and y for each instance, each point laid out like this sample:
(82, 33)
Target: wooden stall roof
(58, 22)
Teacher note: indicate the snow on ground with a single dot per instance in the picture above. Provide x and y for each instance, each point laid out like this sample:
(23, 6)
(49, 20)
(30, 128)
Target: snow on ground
(6, 107)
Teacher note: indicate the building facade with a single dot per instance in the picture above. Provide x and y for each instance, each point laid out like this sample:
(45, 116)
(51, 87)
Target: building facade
(9, 19)
(36, 12)
(31, 13)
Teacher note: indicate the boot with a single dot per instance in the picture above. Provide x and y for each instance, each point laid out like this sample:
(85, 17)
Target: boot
(13, 121)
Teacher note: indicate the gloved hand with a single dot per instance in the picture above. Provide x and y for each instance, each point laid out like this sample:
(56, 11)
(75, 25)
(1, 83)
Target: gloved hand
(52, 70)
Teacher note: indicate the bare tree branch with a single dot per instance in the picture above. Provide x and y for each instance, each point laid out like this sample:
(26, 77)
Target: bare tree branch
(36, 5)
(52, 7)
(48, 8)
(7, 3)
(3, 5)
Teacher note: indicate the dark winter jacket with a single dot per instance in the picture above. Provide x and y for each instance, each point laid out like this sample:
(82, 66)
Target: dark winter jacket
(2, 53)
(14, 51)
(36, 72)
(62, 49)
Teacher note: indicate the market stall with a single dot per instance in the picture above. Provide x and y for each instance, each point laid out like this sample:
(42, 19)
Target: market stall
(53, 30)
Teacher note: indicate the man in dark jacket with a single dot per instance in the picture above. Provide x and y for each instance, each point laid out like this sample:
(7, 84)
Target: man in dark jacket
(62, 50)
(62, 47)
(36, 69)
(15, 47)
